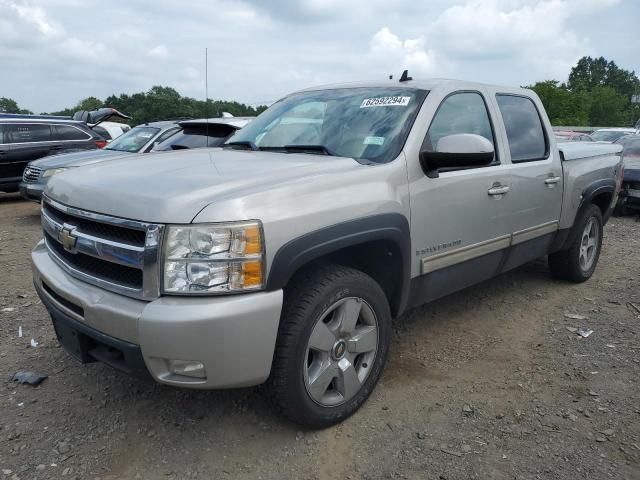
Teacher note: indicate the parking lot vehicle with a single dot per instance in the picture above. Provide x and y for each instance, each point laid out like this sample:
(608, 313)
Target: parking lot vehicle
(565, 136)
(202, 133)
(28, 137)
(111, 130)
(283, 257)
(145, 138)
(140, 139)
(611, 134)
(629, 200)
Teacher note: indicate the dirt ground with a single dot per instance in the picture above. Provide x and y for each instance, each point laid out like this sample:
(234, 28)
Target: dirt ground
(489, 383)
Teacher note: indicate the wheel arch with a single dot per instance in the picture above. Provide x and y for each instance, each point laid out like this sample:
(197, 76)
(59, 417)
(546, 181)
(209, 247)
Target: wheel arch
(378, 245)
(600, 194)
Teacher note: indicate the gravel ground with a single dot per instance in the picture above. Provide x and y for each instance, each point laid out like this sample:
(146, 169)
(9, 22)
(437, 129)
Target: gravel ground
(492, 382)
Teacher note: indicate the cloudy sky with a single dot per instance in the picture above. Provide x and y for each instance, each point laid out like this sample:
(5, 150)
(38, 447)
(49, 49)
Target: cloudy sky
(55, 52)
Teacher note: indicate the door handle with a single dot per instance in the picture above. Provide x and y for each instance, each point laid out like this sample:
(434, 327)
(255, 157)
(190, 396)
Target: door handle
(498, 190)
(552, 180)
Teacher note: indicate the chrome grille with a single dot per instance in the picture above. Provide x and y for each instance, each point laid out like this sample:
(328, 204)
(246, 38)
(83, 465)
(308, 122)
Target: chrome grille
(114, 253)
(31, 174)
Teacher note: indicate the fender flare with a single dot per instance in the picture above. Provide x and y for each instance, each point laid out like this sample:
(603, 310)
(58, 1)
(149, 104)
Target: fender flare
(565, 238)
(296, 253)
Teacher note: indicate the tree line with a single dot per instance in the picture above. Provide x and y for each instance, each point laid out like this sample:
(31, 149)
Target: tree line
(597, 93)
(158, 103)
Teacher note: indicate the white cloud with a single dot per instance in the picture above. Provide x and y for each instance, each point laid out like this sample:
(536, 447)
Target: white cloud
(35, 16)
(388, 50)
(259, 51)
(159, 51)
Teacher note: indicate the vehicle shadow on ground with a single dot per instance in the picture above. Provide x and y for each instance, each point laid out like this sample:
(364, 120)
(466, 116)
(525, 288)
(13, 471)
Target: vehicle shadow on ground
(8, 198)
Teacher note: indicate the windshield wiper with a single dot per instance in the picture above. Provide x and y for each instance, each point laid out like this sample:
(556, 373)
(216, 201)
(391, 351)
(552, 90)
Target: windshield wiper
(309, 149)
(242, 143)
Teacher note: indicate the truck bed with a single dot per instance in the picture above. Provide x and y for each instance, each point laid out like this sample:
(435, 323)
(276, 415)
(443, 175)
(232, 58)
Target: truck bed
(584, 163)
(580, 150)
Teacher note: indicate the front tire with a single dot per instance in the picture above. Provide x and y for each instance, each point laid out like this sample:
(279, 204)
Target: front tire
(578, 262)
(332, 345)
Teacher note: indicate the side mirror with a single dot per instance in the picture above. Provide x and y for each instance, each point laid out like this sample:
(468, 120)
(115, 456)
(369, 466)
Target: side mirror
(461, 150)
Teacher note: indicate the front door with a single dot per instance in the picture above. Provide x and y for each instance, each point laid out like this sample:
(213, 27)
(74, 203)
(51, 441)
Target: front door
(459, 220)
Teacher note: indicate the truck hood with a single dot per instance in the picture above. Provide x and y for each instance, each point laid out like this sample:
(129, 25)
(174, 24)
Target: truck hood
(172, 187)
(77, 159)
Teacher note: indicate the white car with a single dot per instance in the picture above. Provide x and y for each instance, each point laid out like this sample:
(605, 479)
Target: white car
(111, 130)
(611, 134)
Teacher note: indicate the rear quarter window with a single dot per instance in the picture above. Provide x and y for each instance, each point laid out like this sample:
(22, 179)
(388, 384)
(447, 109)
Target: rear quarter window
(525, 133)
(69, 132)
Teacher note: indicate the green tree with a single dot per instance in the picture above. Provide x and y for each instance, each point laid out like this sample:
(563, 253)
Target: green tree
(608, 107)
(563, 106)
(8, 105)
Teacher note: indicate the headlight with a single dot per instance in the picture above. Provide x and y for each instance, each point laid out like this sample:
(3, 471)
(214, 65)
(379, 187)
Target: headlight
(225, 257)
(53, 171)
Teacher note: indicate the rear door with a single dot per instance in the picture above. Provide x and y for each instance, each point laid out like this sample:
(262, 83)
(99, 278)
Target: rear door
(535, 200)
(29, 141)
(459, 225)
(5, 149)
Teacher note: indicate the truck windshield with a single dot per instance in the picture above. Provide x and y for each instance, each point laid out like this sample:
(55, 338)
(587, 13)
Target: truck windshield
(362, 123)
(133, 140)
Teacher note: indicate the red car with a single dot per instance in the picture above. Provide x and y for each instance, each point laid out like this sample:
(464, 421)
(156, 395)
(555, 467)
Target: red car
(565, 136)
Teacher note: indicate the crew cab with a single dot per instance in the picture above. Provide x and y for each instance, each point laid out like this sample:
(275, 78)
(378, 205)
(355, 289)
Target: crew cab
(284, 256)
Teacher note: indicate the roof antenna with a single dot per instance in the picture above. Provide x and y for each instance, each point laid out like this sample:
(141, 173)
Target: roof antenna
(206, 93)
(391, 77)
(405, 77)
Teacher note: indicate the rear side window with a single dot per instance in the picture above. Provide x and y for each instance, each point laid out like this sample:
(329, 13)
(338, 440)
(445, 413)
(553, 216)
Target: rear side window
(30, 132)
(68, 132)
(527, 141)
(2, 130)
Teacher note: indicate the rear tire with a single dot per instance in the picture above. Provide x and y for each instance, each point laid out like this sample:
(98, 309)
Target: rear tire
(332, 345)
(578, 262)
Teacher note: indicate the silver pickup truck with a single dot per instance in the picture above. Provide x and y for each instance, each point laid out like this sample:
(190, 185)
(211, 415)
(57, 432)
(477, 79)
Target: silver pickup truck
(283, 257)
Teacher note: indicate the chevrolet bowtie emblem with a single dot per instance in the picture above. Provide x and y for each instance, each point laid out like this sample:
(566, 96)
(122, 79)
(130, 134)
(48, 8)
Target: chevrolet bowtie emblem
(67, 238)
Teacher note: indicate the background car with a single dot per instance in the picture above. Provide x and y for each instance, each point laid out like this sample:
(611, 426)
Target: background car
(111, 130)
(28, 137)
(203, 133)
(611, 134)
(140, 139)
(629, 199)
(565, 136)
(168, 135)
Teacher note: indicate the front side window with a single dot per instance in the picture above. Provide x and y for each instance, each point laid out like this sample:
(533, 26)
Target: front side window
(30, 132)
(527, 141)
(133, 140)
(369, 124)
(67, 132)
(463, 112)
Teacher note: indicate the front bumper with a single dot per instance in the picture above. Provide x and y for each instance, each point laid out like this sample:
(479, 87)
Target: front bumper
(232, 336)
(31, 191)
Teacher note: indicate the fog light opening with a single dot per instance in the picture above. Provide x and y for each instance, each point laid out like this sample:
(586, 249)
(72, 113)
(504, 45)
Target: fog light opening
(187, 368)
